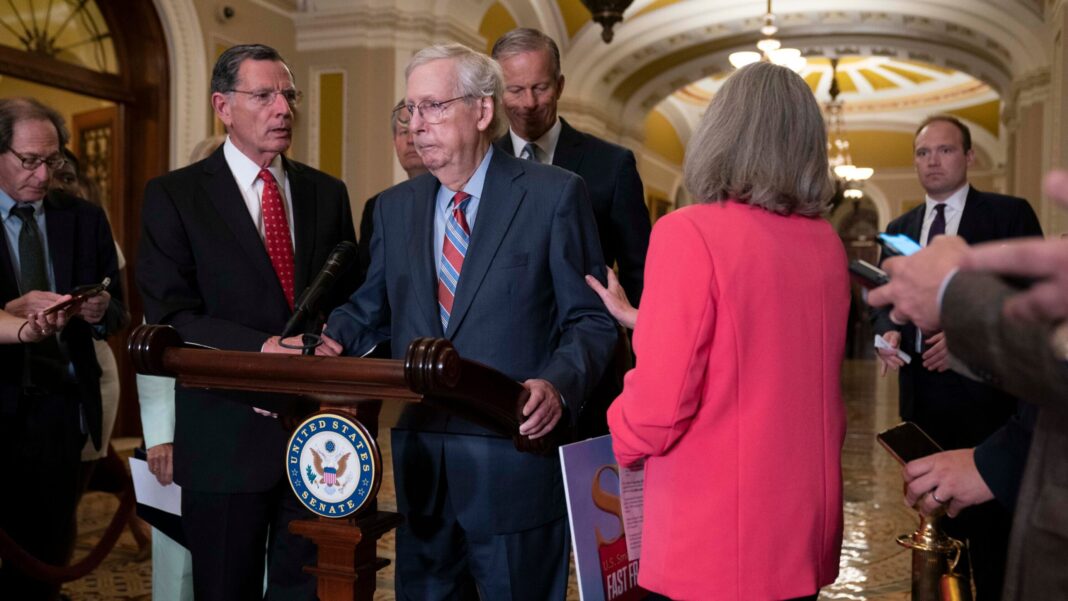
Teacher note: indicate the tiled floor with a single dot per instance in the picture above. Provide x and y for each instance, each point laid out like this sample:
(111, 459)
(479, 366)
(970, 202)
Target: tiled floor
(873, 566)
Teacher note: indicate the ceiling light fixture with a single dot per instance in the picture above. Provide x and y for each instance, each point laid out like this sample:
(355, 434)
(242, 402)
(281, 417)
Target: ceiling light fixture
(771, 50)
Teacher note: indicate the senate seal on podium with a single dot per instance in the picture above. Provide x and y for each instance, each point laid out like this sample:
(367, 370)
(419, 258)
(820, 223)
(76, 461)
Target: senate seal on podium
(333, 465)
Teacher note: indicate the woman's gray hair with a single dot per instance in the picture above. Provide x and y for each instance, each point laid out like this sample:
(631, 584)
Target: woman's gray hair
(762, 142)
(477, 76)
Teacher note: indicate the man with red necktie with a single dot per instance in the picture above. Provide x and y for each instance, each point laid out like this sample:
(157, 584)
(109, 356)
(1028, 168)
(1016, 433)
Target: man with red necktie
(227, 244)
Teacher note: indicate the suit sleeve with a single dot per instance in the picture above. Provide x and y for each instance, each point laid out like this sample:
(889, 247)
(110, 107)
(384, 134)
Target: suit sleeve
(363, 322)
(116, 316)
(366, 232)
(167, 278)
(1014, 356)
(1001, 458)
(588, 332)
(672, 340)
(630, 227)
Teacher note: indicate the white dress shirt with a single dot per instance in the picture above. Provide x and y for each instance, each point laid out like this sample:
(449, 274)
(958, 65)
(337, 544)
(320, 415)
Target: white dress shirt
(546, 144)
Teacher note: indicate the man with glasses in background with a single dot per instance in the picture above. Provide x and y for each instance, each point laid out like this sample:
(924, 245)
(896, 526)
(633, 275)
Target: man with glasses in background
(227, 244)
(409, 161)
(489, 253)
(50, 390)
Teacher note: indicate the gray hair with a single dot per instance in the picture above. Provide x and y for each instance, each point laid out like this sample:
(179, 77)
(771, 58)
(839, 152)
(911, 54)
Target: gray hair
(526, 39)
(14, 110)
(477, 76)
(762, 142)
(224, 74)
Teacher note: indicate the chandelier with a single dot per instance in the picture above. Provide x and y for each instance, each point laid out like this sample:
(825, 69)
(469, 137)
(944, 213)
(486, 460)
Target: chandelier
(848, 177)
(607, 13)
(771, 50)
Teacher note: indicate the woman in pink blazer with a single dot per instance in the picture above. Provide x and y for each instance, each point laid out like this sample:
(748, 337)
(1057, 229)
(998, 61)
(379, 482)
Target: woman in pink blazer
(735, 404)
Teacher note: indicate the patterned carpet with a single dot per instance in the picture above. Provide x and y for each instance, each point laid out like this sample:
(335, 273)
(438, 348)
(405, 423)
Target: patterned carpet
(873, 566)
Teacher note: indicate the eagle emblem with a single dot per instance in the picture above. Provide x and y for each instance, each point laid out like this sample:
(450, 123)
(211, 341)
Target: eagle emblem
(330, 467)
(333, 465)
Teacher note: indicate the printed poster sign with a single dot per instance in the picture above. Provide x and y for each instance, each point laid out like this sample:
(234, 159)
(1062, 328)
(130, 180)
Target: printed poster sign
(592, 483)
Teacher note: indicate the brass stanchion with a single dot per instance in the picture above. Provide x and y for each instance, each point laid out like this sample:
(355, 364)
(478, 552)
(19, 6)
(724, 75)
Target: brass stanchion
(934, 576)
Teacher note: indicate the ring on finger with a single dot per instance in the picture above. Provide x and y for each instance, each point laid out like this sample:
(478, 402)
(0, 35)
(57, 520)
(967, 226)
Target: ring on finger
(934, 495)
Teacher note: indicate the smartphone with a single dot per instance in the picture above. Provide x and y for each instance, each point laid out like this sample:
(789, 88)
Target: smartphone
(898, 245)
(866, 274)
(79, 294)
(907, 442)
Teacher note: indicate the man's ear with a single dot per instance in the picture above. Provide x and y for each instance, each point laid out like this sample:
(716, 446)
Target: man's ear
(221, 104)
(485, 114)
(970, 156)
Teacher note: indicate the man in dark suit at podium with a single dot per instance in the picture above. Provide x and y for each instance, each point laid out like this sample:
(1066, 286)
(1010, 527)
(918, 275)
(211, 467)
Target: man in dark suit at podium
(488, 252)
(227, 245)
(959, 413)
(50, 390)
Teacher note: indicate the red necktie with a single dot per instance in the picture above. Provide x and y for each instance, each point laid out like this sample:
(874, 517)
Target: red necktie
(453, 250)
(276, 233)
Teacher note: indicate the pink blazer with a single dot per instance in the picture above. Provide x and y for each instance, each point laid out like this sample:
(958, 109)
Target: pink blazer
(735, 404)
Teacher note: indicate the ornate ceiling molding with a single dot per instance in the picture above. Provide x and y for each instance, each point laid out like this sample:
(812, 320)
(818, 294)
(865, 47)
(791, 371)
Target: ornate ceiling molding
(368, 27)
(988, 43)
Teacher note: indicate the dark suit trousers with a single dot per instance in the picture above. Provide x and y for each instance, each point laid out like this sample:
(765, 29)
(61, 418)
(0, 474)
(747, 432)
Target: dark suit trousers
(438, 560)
(41, 450)
(228, 535)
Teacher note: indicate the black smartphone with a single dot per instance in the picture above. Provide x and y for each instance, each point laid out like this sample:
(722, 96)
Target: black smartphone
(897, 245)
(79, 294)
(907, 442)
(866, 274)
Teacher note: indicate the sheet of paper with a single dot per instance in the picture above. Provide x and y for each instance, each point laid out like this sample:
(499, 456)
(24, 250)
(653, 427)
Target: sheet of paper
(150, 492)
(881, 342)
(631, 484)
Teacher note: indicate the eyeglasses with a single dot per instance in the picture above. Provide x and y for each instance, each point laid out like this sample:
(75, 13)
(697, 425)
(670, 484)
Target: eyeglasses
(432, 111)
(402, 114)
(266, 97)
(32, 162)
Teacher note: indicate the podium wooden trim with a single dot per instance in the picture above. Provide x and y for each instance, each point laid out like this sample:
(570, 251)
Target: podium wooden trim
(432, 373)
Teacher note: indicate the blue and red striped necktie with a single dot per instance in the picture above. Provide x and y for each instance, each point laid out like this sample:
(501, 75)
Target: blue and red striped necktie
(453, 250)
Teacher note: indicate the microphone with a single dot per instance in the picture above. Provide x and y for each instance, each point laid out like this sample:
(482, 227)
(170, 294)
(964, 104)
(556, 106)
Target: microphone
(308, 303)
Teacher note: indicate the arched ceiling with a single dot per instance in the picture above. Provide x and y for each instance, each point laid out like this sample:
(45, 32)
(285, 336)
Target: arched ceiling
(663, 45)
(884, 98)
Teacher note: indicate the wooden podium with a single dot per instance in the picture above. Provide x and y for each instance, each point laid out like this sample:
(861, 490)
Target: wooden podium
(431, 373)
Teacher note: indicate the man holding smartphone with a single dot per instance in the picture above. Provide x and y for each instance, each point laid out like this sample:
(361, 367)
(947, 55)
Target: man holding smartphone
(50, 390)
(958, 413)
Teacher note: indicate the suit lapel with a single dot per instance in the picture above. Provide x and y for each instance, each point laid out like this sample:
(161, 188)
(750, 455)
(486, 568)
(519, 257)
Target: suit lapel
(569, 149)
(226, 197)
(973, 217)
(501, 198)
(305, 221)
(419, 211)
(59, 221)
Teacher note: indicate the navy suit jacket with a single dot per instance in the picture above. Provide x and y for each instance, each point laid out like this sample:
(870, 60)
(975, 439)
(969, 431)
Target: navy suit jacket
(203, 268)
(82, 251)
(616, 195)
(521, 307)
(985, 418)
